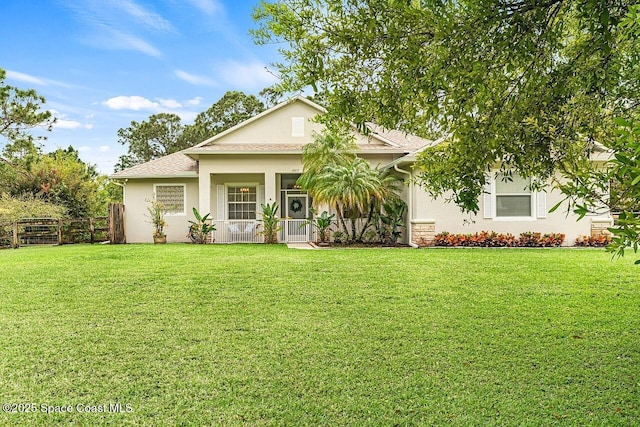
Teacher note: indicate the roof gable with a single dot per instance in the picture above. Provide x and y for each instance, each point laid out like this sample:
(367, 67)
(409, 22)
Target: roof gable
(273, 125)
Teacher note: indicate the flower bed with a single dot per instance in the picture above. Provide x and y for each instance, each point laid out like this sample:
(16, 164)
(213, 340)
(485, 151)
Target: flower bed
(593, 241)
(493, 239)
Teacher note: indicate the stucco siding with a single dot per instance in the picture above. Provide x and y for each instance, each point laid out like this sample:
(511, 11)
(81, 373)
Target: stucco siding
(276, 128)
(137, 194)
(448, 217)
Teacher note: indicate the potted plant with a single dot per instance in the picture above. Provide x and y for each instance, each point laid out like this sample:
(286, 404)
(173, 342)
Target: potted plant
(322, 224)
(156, 218)
(200, 229)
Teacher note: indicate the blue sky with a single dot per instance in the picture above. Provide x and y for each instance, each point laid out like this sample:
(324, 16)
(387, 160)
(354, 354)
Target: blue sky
(102, 63)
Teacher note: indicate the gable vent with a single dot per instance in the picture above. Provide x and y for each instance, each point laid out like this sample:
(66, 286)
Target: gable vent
(297, 126)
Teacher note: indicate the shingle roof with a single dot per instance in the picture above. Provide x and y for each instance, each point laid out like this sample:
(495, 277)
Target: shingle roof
(173, 165)
(402, 139)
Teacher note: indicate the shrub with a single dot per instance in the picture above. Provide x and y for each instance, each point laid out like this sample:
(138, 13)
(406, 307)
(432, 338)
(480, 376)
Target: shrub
(13, 208)
(493, 239)
(593, 241)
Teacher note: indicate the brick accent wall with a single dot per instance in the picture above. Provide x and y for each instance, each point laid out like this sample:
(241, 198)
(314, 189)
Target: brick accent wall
(599, 226)
(423, 232)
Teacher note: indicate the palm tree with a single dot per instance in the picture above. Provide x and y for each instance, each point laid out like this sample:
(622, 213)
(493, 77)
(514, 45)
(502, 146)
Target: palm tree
(333, 174)
(327, 148)
(351, 188)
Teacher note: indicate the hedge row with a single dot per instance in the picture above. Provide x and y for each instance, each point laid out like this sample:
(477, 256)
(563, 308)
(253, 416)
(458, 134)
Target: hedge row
(593, 241)
(493, 239)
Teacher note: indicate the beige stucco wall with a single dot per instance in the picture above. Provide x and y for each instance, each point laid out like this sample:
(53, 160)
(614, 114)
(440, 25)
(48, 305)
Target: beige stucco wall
(137, 194)
(276, 127)
(435, 216)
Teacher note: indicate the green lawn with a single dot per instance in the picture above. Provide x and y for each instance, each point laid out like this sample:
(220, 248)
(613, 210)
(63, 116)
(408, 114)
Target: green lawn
(226, 335)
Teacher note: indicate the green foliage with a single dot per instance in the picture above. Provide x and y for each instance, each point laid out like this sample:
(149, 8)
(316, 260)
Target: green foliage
(147, 140)
(270, 223)
(528, 86)
(59, 177)
(13, 208)
(392, 221)
(156, 212)
(326, 148)
(200, 228)
(333, 174)
(234, 107)
(322, 224)
(20, 111)
(589, 191)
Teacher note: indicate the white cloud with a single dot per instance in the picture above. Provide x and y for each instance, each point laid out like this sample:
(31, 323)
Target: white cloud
(84, 149)
(26, 78)
(169, 103)
(194, 79)
(209, 7)
(248, 76)
(159, 105)
(144, 16)
(130, 42)
(67, 124)
(88, 126)
(135, 103)
(195, 101)
(104, 148)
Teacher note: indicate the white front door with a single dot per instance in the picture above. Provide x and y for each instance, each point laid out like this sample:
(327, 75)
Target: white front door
(297, 212)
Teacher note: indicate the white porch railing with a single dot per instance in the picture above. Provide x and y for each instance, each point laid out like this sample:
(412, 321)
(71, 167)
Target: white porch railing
(247, 231)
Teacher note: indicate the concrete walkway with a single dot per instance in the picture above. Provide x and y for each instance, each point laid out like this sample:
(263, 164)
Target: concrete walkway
(300, 246)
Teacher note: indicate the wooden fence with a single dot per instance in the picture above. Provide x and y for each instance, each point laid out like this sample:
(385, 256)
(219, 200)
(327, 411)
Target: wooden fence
(51, 231)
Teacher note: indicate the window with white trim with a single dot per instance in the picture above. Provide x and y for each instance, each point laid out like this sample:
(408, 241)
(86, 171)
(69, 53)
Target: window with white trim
(242, 202)
(172, 197)
(514, 197)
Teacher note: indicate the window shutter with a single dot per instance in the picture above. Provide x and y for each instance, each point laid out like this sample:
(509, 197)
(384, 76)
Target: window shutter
(260, 198)
(487, 197)
(221, 202)
(542, 204)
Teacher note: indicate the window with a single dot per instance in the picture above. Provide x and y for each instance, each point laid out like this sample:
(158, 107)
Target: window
(242, 202)
(172, 197)
(514, 197)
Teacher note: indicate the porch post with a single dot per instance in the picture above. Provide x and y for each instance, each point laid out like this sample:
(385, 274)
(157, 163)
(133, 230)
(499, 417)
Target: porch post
(204, 193)
(270, 188)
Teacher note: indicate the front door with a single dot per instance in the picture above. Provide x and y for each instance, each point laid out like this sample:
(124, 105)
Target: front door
(297, 212)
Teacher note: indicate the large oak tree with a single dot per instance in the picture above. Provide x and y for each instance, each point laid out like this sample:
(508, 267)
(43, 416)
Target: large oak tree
(530, 85)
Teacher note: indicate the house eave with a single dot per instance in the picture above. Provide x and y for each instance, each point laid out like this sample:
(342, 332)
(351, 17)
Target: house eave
(152, 176)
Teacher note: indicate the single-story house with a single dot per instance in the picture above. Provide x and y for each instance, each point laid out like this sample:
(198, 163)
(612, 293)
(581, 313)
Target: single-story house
(259, 160)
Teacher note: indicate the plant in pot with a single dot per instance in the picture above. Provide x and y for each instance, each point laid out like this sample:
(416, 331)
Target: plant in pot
(200, 228)
(156, 218)
(322, 224)
(270, 223)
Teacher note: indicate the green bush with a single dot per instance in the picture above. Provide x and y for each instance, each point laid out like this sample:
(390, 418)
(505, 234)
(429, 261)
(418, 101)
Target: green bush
(14, 208)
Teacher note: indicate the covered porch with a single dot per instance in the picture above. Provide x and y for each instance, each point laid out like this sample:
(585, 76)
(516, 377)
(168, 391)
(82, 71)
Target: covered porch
(235, 201)
(248, 231)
